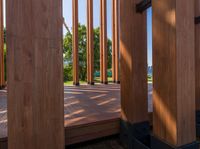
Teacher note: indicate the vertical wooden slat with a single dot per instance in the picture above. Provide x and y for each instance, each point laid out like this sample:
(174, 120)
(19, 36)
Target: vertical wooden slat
(75, 43)
(174, 75)
(133, 47)
(2, 77)
(113, 41)
(35, 61)
(116, 13)
(103, 42)
(197, 56)
(90, 43)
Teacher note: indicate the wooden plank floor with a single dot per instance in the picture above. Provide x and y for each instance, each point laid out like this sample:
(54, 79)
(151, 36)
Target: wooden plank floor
(90, 112)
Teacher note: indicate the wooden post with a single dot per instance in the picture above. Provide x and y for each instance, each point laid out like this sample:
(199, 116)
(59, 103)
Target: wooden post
(116, 13)
(103, 42)
(133, 46)
(75, 43)
(113, 41)
(90, 43)
(174, 74)
(35, 61)
(2, 77)
(197, 69)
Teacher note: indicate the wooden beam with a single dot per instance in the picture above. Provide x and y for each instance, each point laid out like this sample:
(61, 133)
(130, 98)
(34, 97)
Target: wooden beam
(113, 41)
(117, 52)
(174, 73)
(90, 43)
(134, 62)
(35, 61)
(2, 77)
(103, 42)
(75, 43)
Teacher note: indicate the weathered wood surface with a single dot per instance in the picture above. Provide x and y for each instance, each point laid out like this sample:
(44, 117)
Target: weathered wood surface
(174, 71)
(2, 77)
(103, 41)
(90, 43)
(133, 46)
(75, 42)
(35, 74)
(197, 55)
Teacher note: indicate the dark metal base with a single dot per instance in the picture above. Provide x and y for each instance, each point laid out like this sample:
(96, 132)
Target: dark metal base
(104, 83)
(158, 144)
(198, 123)
(118, 82)
(197, 20)
(76, 84)
(91, 83)
(2, 87)
(135, 136)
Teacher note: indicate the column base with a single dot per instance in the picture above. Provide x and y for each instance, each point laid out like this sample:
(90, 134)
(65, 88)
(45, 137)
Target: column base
(198, 123)
(135, 136)
(117, 82)
(2, 87)
(104, 82)
(159, 144)
(76, 84)
(91, 83)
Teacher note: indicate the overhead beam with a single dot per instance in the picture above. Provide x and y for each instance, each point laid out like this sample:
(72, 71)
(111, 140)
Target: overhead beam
(143, 5)
(133, 47)
(2, 77)
(174, 74)
(35, 61)
(103, 42)
(90, 43)
(75, 42)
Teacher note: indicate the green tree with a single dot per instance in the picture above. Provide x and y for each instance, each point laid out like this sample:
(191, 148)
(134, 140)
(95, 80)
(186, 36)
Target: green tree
(82, 45)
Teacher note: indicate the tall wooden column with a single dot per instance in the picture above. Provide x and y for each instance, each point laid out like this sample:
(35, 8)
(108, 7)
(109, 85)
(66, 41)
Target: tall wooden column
(2, 77)
(75, 43)
(90, 43)
(197, 55)
(103, 42)
(115, 41)
(133, 47)
(174, 74)
(35, 61)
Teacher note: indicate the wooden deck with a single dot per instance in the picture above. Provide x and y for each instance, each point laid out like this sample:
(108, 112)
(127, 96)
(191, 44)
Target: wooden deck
(90, 112)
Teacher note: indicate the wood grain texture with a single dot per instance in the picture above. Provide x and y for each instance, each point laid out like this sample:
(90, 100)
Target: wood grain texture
(117, 51)
(197, 55)
(2, 77)
(174, 75)
(103, 41)
(75, 42)
(133, 46)
(90, 43)
(115, 40)
(35, 61)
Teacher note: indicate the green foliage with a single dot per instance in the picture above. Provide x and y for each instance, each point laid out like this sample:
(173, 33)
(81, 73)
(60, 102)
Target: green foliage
(82, 45)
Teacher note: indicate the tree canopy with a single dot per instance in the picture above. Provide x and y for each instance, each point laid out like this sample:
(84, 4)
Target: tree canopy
(82, 49)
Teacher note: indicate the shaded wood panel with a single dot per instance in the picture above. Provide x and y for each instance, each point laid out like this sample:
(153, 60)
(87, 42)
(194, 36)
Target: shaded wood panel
(174, 75)
(197, 55)
(2, 77)
(35, 61)
(75, 42)
(103, 42)
(90, 43)
(133, 47)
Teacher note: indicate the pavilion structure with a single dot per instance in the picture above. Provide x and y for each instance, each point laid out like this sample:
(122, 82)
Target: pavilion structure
(35, 71)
